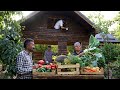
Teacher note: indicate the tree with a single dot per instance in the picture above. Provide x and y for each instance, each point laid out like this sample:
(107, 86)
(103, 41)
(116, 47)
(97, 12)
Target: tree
(101, 24)
(116, 31)
(10, 40)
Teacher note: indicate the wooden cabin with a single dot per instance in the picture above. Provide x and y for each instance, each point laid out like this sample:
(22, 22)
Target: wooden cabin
(39, 26)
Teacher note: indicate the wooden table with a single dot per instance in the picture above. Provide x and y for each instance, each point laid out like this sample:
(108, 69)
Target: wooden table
(69, 77)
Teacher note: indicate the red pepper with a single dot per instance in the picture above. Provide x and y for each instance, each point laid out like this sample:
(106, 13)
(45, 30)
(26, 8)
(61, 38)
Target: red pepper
(34, 67)
(53, 68)
(39, 65)
(48, 66)
(41, 62)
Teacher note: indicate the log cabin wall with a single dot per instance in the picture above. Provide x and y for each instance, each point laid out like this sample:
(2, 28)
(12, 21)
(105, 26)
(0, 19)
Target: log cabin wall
(40, 28)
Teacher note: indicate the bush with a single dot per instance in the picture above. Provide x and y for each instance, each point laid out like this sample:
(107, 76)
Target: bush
(10, 40)
(111, 53)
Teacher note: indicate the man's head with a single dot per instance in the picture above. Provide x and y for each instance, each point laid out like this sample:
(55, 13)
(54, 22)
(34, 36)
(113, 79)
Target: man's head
(29, 44)
(49, 47)
(77, 46)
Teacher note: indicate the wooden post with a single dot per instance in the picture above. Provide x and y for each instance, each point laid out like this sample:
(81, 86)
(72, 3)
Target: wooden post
(62, 48)
(78, 68)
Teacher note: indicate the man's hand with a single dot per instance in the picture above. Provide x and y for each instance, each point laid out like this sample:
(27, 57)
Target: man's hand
(36, 65)
(66, 28)
(81, 54)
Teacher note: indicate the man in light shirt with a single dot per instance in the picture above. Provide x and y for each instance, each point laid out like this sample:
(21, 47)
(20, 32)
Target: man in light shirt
(24, 61)
(60, 25)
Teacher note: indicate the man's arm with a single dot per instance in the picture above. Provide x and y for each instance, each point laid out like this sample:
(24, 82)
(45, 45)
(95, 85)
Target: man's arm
(45, 57)
(53, 53)
(81, 54)
(61, 25)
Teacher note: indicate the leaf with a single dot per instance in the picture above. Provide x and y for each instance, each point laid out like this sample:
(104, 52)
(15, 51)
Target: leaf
(93, 42)
(99, 55)
(94, 63)
(10, 40)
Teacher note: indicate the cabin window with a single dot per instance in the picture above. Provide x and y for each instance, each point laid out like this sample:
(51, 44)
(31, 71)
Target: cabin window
(51, 22)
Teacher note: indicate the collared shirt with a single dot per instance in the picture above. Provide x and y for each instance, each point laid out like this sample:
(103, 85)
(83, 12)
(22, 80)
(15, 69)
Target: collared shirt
(24, 62)
(74, 53)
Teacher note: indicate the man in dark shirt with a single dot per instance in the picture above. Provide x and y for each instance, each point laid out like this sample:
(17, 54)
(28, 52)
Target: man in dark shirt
(78, 49)
(48, 55)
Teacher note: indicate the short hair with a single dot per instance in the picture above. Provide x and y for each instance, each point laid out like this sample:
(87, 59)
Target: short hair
(49, 46)
(27, 41)
(77, 44)
(63, 20)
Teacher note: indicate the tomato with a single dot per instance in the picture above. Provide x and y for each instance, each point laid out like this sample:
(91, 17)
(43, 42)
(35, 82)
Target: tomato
(34, 67)
(39, 65)
(48, 66)
(53, 68)
(56, 66)
(41, 62)
(51, 63)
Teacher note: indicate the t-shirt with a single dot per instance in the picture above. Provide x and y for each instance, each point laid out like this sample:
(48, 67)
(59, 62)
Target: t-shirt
(74, 53)
(58, 24)
(48, 56)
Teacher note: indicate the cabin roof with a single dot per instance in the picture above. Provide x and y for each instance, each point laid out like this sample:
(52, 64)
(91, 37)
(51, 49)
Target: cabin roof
(75, 14)
(106, 38)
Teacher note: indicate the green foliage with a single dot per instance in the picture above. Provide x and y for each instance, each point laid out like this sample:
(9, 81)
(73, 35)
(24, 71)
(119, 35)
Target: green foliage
(115, 66)
(54, 48)
(93, 55)
(10, 40)
(93, 42)
(75, 59)
(101, 24)
(116, 31)
(111, 52)
(112, 57)
(41, 47)
(70, 49)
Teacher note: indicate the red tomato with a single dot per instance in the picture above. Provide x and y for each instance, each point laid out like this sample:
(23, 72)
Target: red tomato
(41, 62)
(56, 66)
(53, 68)
(34, 67)
(39, 65)
(51, 63)
(48, 66)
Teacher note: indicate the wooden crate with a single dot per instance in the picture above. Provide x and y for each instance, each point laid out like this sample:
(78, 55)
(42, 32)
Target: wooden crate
(43, 73)
(94, 73)
(0, 67)
(76, 72)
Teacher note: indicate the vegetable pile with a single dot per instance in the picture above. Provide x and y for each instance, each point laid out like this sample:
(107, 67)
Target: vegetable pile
(91, 69)
(92, 56)
(41, 67)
